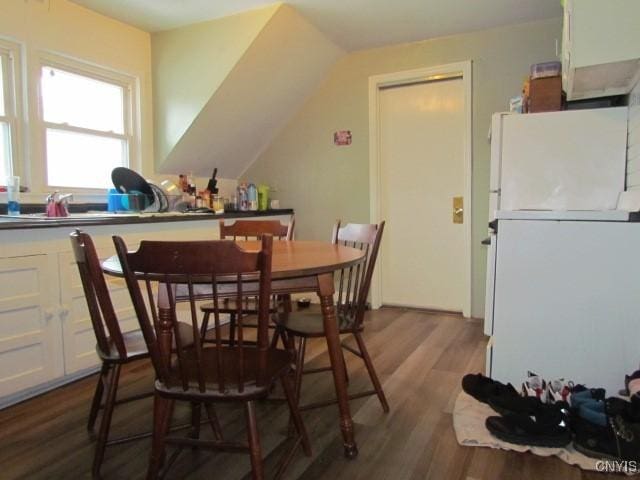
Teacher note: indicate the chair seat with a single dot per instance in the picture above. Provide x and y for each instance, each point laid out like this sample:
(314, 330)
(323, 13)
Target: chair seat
(278, 361)
(310, 324)
(135, 345)
(230, 305)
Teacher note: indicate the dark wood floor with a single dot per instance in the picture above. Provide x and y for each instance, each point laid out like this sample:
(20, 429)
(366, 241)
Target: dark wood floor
(420, 358)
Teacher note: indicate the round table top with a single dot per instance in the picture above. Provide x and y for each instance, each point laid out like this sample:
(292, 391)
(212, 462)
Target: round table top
(291, 259)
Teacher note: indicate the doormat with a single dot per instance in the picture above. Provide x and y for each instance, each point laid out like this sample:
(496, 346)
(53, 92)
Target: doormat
(469, 416)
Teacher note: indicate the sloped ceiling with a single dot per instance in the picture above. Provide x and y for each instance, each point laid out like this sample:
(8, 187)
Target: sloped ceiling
(226, 116)
(190, 64)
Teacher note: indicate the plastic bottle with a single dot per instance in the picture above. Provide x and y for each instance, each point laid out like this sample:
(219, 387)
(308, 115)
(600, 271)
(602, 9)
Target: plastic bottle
(243, 201)
(263, 197)
(252, 195)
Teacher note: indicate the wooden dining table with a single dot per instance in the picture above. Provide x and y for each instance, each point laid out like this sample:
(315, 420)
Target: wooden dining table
(297, 267)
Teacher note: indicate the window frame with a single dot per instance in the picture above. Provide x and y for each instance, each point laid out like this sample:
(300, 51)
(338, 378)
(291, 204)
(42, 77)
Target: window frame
(131, 113)
(11, 58)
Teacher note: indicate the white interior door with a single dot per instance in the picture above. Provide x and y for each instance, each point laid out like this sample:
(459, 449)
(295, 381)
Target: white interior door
(422, 168)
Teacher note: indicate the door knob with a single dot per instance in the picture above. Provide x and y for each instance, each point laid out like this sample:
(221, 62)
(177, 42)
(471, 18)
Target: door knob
(458, 209)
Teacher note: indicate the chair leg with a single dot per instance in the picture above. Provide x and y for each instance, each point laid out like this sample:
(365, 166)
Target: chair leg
(204, 326)
(299, 368)
(213, 421)
(276, 336)
(105, 422)
(295, 414)
(162, 411)
(372, 372)
(257, 469)
(97, 396)
(196, 413)
(286, 301)
(289, 341)
(232, 329)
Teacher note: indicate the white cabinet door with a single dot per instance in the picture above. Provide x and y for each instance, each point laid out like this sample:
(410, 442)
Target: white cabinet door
(29, 328)
(601, 47)
(77, 330)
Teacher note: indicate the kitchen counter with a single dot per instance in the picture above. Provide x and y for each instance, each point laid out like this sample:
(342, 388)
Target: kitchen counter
(31, 221)
(46, 335)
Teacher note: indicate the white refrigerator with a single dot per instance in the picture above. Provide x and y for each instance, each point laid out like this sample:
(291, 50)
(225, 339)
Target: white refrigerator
(571, 160)
(561, 298)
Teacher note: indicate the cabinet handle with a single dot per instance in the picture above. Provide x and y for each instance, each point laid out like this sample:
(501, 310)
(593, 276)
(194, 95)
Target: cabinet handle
(48, 314)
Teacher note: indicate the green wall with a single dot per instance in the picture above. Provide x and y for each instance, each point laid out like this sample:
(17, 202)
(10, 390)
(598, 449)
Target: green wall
(190, 63)
(323, 182)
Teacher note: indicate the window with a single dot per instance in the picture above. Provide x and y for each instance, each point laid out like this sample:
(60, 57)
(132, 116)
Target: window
(87, 118)
(9, 108)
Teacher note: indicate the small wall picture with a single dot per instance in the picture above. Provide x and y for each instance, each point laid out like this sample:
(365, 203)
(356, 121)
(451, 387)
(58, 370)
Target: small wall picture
(342, 137)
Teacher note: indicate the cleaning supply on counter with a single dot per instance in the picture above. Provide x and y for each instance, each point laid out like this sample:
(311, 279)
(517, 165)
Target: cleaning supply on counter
(13, 195)
(243, 200)
(252, 197)
(263, 197)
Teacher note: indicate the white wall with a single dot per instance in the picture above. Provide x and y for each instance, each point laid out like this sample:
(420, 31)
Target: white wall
(324, 182)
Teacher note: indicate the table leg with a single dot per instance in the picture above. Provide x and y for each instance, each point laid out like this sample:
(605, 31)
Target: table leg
(325, 292)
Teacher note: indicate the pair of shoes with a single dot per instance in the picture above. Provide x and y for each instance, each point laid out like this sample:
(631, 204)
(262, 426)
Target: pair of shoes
(617, 439)
(535, 386)
(538, 417)
(631, 384)
(514, 404)
(549, 392)
(483, 388)
(589, 405)
(542, 426)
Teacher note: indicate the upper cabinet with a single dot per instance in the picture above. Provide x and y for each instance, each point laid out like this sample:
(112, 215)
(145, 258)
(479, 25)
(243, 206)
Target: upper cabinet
(600, 47)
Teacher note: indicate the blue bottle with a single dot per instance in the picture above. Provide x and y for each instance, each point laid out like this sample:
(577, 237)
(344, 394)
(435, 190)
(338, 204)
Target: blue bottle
(252, 195)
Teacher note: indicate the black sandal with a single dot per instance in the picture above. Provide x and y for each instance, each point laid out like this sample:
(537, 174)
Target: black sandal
(546, 427)
(482, 388)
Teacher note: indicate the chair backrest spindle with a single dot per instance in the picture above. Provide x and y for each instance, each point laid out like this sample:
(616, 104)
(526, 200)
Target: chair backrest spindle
(355, 281)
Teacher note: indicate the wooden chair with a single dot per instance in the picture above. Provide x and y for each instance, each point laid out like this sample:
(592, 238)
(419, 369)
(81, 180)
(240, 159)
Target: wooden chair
(201, 373)
(249, 230)
(354, 283)
(114, 347)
